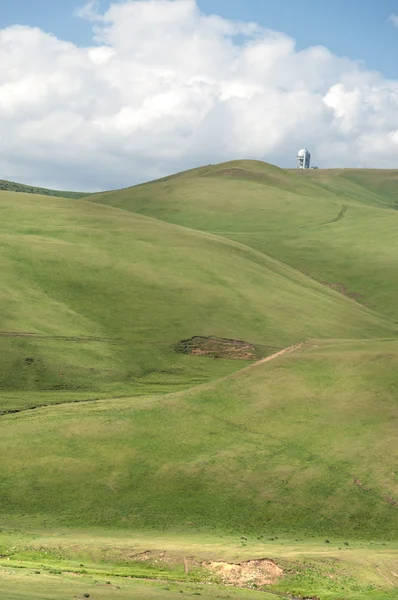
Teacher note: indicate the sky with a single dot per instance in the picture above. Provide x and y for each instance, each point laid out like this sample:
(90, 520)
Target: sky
(108, 94)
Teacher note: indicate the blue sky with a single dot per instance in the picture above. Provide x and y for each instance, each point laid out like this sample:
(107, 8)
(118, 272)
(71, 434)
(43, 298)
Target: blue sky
(358, 29)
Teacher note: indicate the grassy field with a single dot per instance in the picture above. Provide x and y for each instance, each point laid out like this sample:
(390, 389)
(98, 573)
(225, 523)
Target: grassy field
(134, 446)
(48, 587)
(115, 564)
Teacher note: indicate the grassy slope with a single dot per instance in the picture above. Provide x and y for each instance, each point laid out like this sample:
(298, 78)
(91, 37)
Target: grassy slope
(377, 187)
(301, 447)
(94, 299)
(304, 444)
(12, 186)
(296, 217)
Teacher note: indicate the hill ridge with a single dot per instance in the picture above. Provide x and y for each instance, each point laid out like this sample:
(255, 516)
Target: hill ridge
(283, 220)
(13, 186)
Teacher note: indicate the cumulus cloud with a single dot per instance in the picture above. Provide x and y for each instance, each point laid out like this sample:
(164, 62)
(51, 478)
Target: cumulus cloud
(164, 87)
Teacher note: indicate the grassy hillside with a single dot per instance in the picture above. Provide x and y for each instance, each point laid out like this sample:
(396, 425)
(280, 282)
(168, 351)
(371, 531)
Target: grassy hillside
(12, 186)
(339, 227)
(204, 458)
(377, 187)
(94, 300)
(303, 445)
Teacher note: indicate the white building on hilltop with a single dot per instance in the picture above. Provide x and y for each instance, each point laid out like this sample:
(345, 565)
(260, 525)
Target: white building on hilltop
(303, 159)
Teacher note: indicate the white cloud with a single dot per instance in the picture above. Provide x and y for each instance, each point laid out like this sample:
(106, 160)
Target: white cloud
(164, 88)
(89, 11)
(394, 20)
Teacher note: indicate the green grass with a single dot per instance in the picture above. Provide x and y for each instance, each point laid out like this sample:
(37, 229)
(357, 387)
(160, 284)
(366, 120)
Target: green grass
(214, 458)
(302, 445)
(95, 299)
(106, 564)
(44, 586)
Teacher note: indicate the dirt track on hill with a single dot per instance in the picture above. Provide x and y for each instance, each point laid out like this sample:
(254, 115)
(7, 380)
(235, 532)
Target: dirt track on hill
(280, 353)
(283, 352)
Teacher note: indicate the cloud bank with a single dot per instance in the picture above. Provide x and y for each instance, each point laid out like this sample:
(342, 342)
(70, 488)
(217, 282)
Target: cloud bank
(164, 87)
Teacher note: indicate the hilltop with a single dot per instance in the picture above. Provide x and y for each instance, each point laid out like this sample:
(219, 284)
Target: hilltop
(340, 227)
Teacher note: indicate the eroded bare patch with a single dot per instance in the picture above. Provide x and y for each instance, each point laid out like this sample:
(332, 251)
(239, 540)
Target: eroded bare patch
(251, 573)
(219, 348)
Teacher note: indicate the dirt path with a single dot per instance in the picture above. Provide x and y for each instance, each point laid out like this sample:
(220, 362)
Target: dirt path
(385, 577)
(283, 352)
(280, 353)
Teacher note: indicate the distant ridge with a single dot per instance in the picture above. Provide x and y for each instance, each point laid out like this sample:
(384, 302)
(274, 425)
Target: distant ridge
(12, 186)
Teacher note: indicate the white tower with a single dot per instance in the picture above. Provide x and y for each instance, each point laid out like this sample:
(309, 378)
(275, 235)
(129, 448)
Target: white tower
(303, 159)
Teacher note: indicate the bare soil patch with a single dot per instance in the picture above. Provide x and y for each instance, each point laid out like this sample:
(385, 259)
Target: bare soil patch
(219, 348)
(254, 574)
(249, 574)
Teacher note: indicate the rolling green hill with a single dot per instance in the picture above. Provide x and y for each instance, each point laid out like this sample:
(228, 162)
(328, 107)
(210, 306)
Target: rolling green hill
(95, 299)
(337, 226)
(302, 445)
(130, 436)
